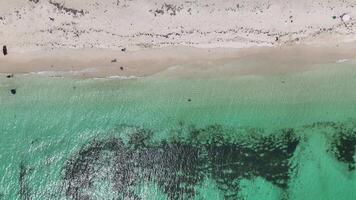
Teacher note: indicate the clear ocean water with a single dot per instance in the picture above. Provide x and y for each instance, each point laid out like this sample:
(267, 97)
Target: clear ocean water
(287, 136)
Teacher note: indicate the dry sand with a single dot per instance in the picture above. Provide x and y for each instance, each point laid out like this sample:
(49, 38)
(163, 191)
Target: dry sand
(136, 24)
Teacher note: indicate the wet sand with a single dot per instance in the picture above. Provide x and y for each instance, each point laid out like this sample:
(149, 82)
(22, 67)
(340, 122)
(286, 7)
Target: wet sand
(184, 60)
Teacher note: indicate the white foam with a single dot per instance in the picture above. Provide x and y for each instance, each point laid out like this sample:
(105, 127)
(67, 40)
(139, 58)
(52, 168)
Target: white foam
(64, 73)
(117, 77)
(123, 77)
(342, 60)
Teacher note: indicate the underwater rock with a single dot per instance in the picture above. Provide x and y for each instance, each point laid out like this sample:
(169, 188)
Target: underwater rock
(24, 192)
(344, 149)
(267, 159)
(175, 166)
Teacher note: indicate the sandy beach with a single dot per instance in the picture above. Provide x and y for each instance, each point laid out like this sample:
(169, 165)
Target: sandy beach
(181, 61)
(140, 38)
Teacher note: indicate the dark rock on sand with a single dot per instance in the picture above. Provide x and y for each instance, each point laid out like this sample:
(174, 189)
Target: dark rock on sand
(13, 91)
(4, 50)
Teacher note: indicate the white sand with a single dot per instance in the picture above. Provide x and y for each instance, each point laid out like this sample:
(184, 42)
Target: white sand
(135, 24)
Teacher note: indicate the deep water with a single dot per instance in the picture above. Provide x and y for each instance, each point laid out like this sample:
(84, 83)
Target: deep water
(251, 137)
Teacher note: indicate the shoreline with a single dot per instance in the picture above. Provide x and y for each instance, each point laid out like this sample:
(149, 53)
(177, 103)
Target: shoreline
(99, 63)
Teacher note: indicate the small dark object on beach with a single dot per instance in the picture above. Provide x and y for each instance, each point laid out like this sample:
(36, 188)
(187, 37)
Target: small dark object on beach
(4, 50)
(123, 49)
(277, 38)
(334, 17)
(189, 100)
(122, 68)
(9, 76)
(113, 61)
(51, 18)
(13, 91)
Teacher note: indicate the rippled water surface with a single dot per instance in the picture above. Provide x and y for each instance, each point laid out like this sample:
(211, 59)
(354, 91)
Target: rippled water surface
(249, 137)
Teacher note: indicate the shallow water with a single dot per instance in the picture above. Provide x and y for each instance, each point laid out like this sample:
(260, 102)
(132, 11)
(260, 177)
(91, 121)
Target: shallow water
(288, 136)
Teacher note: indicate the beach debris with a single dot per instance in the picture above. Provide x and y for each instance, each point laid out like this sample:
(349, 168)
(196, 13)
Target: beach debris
(4, 50)
(189, 100)
(13, 91)
(122, 68)
(34, 1)
(291, 18)
(51, 18)
(334, 17)
(61, 7)
(9, 76)
(123, 49)
(276, 39)
(114, 60)
(165, 8)
(345, 17)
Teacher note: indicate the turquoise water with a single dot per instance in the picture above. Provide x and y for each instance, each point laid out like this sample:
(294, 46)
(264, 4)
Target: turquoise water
(288, 136)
